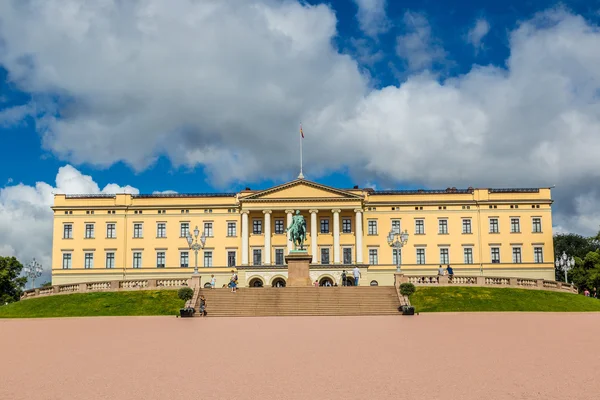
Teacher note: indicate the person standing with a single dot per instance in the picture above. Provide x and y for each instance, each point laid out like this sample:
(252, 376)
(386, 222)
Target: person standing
(356, 274)
(344, 276)
(213, 281)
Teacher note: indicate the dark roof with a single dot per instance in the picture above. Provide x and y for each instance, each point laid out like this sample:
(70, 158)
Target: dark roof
(89, 196)
(524, 190)
(175, 195)
(454, 191)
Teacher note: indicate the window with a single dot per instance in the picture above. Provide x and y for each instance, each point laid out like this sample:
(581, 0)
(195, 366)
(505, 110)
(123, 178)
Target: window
(111, 231)
(208, 229)
(208, 259)
(231, 229)
(161, 230)
(184, 229)
(184, 259)
(372, 224)
(514, 225)
(231, 258)
(257, 227)
(537, 225)
(137, 230)
(443, 226)
(324, 225)
(256, 257)
(495, 255)
(419, 226)
(444, 256)
(89, 260)
(347, 255)
(279, 226)
(468, 253)
(420, 256)
(538, 255)
(89, 231)
(395, 256)
(279, 257)
(110, 260)
(396, 225)
(466, 225)
(346, 225)
(516, 255)
(66, 260)
(324, 256)
(373, 257)
(137, 259)
(160, 259)
(494, 225)
(67, 231)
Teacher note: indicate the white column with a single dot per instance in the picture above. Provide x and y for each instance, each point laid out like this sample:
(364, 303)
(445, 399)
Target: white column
(289, 222)
(313, 234)
(245, 238)
(336, 236)
(358, 234)
(267, 250)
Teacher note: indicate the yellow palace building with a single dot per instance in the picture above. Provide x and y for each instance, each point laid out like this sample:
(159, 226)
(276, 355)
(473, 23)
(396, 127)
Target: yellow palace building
(489, 232)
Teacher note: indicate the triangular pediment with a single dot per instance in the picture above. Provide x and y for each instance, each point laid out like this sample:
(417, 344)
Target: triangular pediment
(302, 189)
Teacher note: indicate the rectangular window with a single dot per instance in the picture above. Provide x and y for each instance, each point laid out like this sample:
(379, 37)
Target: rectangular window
(420, 256)
(516, 255)
(346, 225)
(279, 226)
(443, 226)
(444, 256)
(231, 229)
(66, 260)
(161, 230)
(137, 230)
(208, 259)
(110, 260)
(324, 256)
(538, 255)
(396, 225)
(160, 259)
(257, 227)
(537, 225)
(468, 253)
(373, 257)
(89, 231)
(494, 225)
(184, 259)
(208, 229)
(111, 231)
(184, 229)
(324, 225)
(395, 256)
(347, 255)
(67, 231)
(495, 252)
(279, 257)
(231, 258)
(89, 260)
(514, 225)
(419, 226)
(466, 223)
(137, 259)
(372, 224)
(256, 257)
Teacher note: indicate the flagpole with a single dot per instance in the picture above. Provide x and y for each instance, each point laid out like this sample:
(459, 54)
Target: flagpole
(301, 176)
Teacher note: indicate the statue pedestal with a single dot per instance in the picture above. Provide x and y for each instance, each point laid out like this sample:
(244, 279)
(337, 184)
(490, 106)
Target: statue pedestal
(298, 269)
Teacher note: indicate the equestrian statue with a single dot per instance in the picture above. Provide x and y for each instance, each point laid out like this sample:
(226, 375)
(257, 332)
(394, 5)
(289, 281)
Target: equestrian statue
(297, 231)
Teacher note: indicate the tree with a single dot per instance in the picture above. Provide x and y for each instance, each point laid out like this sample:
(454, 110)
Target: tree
(11, 286)
(575, 246)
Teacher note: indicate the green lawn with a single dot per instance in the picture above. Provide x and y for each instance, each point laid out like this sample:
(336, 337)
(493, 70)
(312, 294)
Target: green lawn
(444, 299)
(143, 302)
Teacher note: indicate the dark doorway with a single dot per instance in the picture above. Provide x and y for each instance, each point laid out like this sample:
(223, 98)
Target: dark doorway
(279, 282)
(256, 282)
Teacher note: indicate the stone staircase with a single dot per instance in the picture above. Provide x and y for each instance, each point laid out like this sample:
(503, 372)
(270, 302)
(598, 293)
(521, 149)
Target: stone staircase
(251, 302)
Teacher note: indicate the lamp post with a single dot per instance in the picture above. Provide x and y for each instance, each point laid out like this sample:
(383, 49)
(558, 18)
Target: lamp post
(32, 271)
(397, 240)
(565, 263)
(195, 245)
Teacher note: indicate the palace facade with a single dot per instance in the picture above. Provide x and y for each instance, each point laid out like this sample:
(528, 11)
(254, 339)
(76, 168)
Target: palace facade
(489, 232)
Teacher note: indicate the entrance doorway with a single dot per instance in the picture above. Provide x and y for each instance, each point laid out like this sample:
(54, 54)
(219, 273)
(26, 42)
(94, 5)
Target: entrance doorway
(349, 281)
(326, 282)
(279, 282)
(256, 282)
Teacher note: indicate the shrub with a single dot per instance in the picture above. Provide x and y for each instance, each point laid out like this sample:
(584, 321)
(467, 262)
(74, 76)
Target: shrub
(407, 289)
(185, 293)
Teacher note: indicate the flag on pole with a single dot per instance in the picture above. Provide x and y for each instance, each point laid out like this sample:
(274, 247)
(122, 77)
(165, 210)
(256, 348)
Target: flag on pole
(302, 133)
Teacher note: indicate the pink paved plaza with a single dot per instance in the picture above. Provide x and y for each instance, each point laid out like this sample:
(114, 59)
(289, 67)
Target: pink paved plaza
(431, 356)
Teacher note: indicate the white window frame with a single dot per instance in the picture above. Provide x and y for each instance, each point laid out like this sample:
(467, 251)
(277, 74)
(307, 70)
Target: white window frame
(443, 226)
(447, 260)
(346, 221)
(106, 258)
(229, 251)
(424, 250)
(324, 222)
(533, 224)
(231, 229)
(466, 222)
(417, 220)
(492, 255)
(328, 250)
(181, 259)
(91, 232)
(398, 222)
(259, 250)
(394, 255)
(282, 224)
(257, 222)
(113, 234)
(208, 258)
(373, 253)
(67, 257)
(164, 259)
(351, 255)
(160, 225)
(282, 250)
(520, 255)
(518, 225)
(372, 227)
(539, 260)
(133, 259)
(70, 230)
(497, 225)
(141, 230)
(90, 264)
(184, 229)
(468, 255)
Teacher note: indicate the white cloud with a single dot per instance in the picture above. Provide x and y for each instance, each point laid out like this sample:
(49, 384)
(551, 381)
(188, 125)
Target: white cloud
(13, 115)
(417, 46)
(372, 17)
(164, 192)
(26, 217)
(478, 32)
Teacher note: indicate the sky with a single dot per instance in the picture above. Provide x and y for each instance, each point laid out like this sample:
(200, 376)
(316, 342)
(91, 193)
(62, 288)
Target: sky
(191, 96)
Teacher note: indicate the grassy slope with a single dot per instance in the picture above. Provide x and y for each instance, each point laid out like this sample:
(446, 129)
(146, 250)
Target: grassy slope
(440, 299)
(143, 302)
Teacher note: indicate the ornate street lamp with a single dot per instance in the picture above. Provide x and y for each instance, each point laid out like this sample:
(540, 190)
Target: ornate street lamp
(195, 245)
(397, 240)
(565, 264)
(32, 271)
